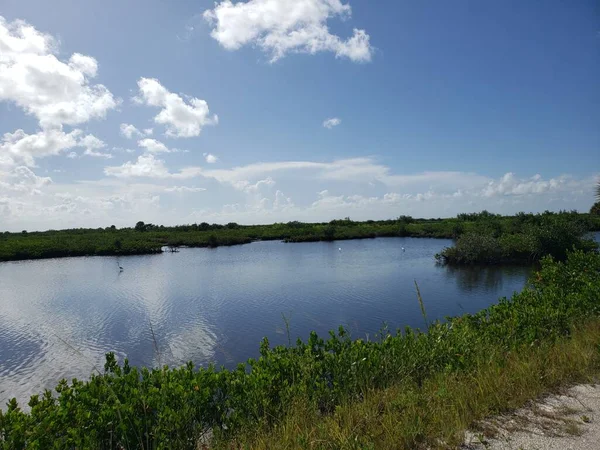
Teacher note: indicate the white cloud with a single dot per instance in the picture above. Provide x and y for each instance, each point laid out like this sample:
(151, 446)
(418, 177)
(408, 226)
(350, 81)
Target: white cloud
(333, 122)
(182, 119)
(182, 189)
(282, 202)
(145, 166)
(91, 144)
(22, 148)
(129, 131)
(56, 92)
(279, 27)
(253, 188)
(95, 154)
(210, 158)
(153, 146)
(511, 185)
(355, 170)
(21, 180)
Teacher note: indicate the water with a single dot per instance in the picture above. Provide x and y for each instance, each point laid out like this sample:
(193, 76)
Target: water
(58, 317)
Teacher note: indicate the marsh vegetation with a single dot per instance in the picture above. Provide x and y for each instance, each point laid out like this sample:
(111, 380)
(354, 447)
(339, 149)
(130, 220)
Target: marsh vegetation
(518, 235)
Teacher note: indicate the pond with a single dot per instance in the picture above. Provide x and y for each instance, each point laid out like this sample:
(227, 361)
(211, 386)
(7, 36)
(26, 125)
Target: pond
(58, 317)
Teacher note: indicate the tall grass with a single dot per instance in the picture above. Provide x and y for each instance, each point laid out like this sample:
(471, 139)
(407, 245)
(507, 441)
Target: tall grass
(436, 413)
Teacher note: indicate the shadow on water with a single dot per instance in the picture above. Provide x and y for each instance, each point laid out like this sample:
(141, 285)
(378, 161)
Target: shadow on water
(482, 279)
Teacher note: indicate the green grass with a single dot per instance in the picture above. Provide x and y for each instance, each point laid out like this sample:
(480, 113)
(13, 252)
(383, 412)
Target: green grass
(407, 389)
(436, 413)
(148, 238)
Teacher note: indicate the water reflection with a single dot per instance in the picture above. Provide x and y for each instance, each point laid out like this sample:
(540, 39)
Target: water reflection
(482, 279)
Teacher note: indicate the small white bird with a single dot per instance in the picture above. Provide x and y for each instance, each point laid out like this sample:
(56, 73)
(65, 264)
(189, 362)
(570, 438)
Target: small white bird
(340, 249)
(403, 249)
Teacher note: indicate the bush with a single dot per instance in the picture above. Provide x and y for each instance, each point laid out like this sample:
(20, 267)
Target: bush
(473, 248)
(554, 235)
(329, 233)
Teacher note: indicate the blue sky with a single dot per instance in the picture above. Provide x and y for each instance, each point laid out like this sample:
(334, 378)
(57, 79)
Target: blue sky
(432, 108)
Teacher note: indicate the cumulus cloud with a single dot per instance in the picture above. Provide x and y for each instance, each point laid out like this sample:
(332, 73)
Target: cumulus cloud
(210, 158)
(130, 131)
(279, 27)
(282, 202)
(333, 122)
(181, 118)
(153, 146)
(511, 185)
(145, 166)
(55, 91)
(92, 144)
(22, 180)
(253, 187)
(20, 148)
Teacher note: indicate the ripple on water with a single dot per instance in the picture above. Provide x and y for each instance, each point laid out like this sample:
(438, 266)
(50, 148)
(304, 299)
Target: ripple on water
(19, 347)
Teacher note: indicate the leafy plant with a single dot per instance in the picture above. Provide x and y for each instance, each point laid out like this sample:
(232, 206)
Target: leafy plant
(526, 239)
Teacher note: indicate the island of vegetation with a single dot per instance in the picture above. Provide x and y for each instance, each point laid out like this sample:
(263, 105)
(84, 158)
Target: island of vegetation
(408, 389)
(481, 237)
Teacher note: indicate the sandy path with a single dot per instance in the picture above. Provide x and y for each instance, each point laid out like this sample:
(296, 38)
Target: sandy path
(560, 422)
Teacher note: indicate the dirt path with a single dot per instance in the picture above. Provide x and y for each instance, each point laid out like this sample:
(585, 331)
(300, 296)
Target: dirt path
(570, 421)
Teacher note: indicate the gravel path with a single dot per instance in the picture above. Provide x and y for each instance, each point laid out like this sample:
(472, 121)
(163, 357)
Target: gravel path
(560, 422)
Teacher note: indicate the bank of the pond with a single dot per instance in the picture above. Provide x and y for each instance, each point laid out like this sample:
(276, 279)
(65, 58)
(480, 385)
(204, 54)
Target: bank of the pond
(408, 386)
(148, 238)
(551, 235)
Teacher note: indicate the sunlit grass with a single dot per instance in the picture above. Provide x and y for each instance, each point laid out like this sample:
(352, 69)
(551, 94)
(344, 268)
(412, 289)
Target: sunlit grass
(436, 414)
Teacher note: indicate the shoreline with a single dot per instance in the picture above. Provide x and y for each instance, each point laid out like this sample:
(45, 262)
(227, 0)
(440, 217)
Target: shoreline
(513, 233)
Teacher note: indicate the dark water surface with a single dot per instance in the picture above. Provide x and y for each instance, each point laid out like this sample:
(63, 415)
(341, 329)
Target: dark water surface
(58, 317)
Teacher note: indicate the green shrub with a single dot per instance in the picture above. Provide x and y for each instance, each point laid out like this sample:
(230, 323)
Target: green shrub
(525, 242)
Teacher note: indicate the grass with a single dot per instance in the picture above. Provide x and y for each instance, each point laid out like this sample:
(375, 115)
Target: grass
(437, 413)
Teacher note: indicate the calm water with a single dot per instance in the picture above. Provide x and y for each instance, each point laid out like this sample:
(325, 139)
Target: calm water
(58, 317)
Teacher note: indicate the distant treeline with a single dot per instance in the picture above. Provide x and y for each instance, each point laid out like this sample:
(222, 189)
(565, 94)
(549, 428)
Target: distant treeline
(147, 238)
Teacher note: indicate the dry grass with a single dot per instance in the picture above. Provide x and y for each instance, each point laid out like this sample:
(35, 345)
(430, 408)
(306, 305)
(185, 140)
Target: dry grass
(437, 413)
